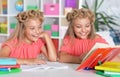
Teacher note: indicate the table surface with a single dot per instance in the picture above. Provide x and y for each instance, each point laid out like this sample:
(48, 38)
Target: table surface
(67, 72)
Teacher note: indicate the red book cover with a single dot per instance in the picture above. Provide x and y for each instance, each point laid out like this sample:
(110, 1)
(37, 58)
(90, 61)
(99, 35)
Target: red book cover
(10, 66)
(99, 55)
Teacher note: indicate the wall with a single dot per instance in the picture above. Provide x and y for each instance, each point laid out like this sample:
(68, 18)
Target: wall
(111, 7)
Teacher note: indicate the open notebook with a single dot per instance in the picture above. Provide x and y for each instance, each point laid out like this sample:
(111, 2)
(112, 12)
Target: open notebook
(98, 54)
(49, 65)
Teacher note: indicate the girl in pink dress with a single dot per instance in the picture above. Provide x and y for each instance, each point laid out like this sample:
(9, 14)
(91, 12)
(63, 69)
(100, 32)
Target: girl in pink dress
(28, 40)
(80, 36)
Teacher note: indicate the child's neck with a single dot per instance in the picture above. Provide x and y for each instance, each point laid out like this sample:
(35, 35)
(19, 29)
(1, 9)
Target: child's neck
(27, 41)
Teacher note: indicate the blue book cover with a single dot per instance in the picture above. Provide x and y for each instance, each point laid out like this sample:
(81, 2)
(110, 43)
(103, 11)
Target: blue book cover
(12, 70)
(8, 61)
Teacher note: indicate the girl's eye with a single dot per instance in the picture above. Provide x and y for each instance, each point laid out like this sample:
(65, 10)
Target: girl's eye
(31, 28)
(88, 25)
(78, 26)
(39, 27)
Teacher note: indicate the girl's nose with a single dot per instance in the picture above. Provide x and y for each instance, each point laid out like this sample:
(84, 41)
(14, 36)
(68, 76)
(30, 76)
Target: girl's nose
(83, 30)
(38, 31)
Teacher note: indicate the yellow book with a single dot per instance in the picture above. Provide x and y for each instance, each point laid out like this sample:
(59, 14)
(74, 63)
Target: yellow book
(109, 66)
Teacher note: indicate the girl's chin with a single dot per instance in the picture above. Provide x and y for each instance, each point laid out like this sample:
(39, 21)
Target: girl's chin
(82, 37)
(35, 39)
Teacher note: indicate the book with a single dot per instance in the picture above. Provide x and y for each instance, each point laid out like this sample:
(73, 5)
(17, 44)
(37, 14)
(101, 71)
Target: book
(112, 73)
(98, 55)
(8, 61)
(97, 45)
(10, 66)
(49, 65)
(99, 72)
(12, 70)
(109, 66)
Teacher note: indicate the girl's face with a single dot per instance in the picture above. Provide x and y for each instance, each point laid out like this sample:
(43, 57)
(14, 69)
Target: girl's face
(32, 30)
(82, 28)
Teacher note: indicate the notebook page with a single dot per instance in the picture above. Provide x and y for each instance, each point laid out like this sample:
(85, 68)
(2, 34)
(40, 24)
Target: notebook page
(49, 65)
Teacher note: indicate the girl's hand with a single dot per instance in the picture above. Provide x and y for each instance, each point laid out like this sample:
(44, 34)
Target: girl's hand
(48, 49)
(44, 35)
(31, 61)
(82, 55)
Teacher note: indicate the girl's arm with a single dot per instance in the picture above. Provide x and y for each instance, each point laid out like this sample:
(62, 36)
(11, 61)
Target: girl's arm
(30, 61)
(5, 51)
(48, 50)
(68, 58)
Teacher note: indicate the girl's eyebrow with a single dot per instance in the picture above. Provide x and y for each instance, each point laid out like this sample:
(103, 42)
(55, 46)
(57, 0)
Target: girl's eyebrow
(77, 24)
(30, 26)
(40, 24)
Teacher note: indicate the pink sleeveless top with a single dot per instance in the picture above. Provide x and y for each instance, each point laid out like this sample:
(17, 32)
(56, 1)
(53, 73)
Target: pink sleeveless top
(79, 45)
(24, 50)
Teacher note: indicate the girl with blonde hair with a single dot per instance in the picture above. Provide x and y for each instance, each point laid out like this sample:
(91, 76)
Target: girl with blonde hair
(28, 40)
(80, 36)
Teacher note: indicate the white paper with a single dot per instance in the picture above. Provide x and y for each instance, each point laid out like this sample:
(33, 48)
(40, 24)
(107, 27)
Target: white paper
(49, 65)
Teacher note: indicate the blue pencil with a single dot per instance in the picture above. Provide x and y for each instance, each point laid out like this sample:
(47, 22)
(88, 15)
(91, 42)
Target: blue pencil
(5, 69)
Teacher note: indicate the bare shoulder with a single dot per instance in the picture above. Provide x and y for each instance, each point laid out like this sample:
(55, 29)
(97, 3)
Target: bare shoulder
(97, 36)
(5, 48)
(5, 51)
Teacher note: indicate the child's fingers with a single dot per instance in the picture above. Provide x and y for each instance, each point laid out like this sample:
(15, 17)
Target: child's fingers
(83, 55)
(39, 61)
